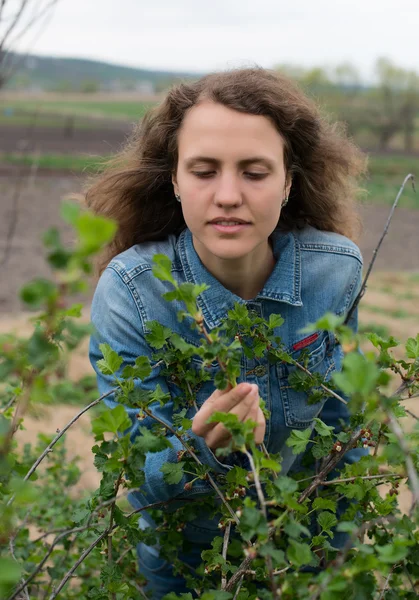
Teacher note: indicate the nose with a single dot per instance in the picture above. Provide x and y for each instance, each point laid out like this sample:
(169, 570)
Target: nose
(228, 193)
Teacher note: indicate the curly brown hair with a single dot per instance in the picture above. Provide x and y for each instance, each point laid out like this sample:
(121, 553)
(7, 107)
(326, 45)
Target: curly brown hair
(136, 189)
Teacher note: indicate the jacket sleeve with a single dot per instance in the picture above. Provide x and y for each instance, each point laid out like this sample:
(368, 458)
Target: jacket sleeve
(115, 315)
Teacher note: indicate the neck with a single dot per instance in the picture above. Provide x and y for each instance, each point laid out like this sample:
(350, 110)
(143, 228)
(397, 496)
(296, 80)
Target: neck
(246, 276)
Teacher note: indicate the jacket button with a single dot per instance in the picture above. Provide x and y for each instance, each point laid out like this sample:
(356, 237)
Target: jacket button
(260, 371)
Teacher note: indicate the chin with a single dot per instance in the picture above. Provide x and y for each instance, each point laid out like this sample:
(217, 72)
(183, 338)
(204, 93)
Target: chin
(228, 250)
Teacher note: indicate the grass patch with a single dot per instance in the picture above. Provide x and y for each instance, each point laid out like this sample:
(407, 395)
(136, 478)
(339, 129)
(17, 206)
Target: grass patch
(59, 162)
(118, 109)
(380, 330)
(52, 121)
(398, 313)
(386, 175)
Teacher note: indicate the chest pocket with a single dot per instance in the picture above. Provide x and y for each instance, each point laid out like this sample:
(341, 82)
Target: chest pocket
(317, 357)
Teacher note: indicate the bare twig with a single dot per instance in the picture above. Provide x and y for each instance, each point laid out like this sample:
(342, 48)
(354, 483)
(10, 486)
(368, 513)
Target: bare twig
(9, 404)
(63, 431)
(387, 582)
(365, 478)
(196, 459)
(225, 547)
(109, 540)
(331, 461)
(324, 387)
(411, 470)
(77, 563)
(238, 588)
(374, 256)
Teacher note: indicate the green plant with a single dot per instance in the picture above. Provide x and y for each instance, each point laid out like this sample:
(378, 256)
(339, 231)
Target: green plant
(264, 515)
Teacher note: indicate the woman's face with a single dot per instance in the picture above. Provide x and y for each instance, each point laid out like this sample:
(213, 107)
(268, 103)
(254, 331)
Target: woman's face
(231, 180)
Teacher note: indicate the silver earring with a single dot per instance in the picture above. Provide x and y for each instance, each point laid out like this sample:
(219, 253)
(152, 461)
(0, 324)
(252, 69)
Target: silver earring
(285, 202)
(178, 198)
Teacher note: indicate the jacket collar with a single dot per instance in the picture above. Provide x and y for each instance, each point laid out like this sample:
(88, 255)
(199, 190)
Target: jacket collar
(283, 285)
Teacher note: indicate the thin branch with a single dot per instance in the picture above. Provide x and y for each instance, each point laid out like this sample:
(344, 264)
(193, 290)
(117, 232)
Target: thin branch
(331, 461)
(57, 437)
(8, 405)
(139, 589)
(365, 478)
(63, 431)
(238, 588)
(13, 24)
(225, 547)
(324, 387)
(196, 459)
(411, 470)
(117, 484)
(79, 561)
(257, 484)
(374, 256)
(12, 552)
(387, 582)
(239, 574)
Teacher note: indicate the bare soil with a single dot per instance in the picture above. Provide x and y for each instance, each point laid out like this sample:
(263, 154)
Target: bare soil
(103, 140)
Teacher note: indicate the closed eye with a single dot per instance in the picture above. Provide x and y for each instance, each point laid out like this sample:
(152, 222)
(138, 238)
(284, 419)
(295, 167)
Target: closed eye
(248, 174)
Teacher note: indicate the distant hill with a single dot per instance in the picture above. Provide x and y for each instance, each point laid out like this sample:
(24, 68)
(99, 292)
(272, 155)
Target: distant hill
(73, 74)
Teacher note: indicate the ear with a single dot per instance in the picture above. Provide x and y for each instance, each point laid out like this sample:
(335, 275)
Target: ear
(174, 182)
(288, 185)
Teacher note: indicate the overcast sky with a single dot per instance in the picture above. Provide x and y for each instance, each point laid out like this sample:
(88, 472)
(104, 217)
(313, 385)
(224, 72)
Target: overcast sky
(202, 35)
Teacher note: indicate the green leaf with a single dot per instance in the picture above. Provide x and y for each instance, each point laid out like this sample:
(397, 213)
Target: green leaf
(359, 375)
(412, 347)
(51, 237)
(392, 553)
(111, 362)
(38, 292)
(24, 491)
(111, 421)
(172, 472)
(324, 503)
(298, 440)
(299, 554)
(70, 212)
(328, 322)
(275, 321)
(146, 441)
(140, 370)
(162, 268)
(269, 463)
(285, 484)
(158, 335)
(327, 520)
(94, 231)
(252, 523)
(321, 428)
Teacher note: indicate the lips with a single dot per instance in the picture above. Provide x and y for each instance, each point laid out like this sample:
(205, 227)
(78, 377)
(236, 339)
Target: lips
(229, 222)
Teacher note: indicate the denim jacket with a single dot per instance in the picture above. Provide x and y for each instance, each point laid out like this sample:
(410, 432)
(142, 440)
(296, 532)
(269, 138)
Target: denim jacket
(315, 272)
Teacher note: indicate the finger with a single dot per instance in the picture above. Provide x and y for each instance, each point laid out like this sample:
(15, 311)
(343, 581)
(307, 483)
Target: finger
(219, 436)
(260, 429)
(222, 401)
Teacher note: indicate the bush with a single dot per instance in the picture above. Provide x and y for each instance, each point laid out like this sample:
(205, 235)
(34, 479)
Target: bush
(86, 547)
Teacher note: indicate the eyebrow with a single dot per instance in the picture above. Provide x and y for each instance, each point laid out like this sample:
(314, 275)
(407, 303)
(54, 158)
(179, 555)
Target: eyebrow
(242, 163)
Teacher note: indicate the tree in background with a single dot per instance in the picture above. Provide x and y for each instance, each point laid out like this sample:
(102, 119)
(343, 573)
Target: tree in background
(20, 19)
(375, 112)
(396, 101)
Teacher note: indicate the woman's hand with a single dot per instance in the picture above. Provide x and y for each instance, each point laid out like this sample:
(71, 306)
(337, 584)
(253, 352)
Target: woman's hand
(243, 401)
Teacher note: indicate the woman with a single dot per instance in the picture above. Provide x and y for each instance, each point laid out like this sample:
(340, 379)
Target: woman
(242, 184)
